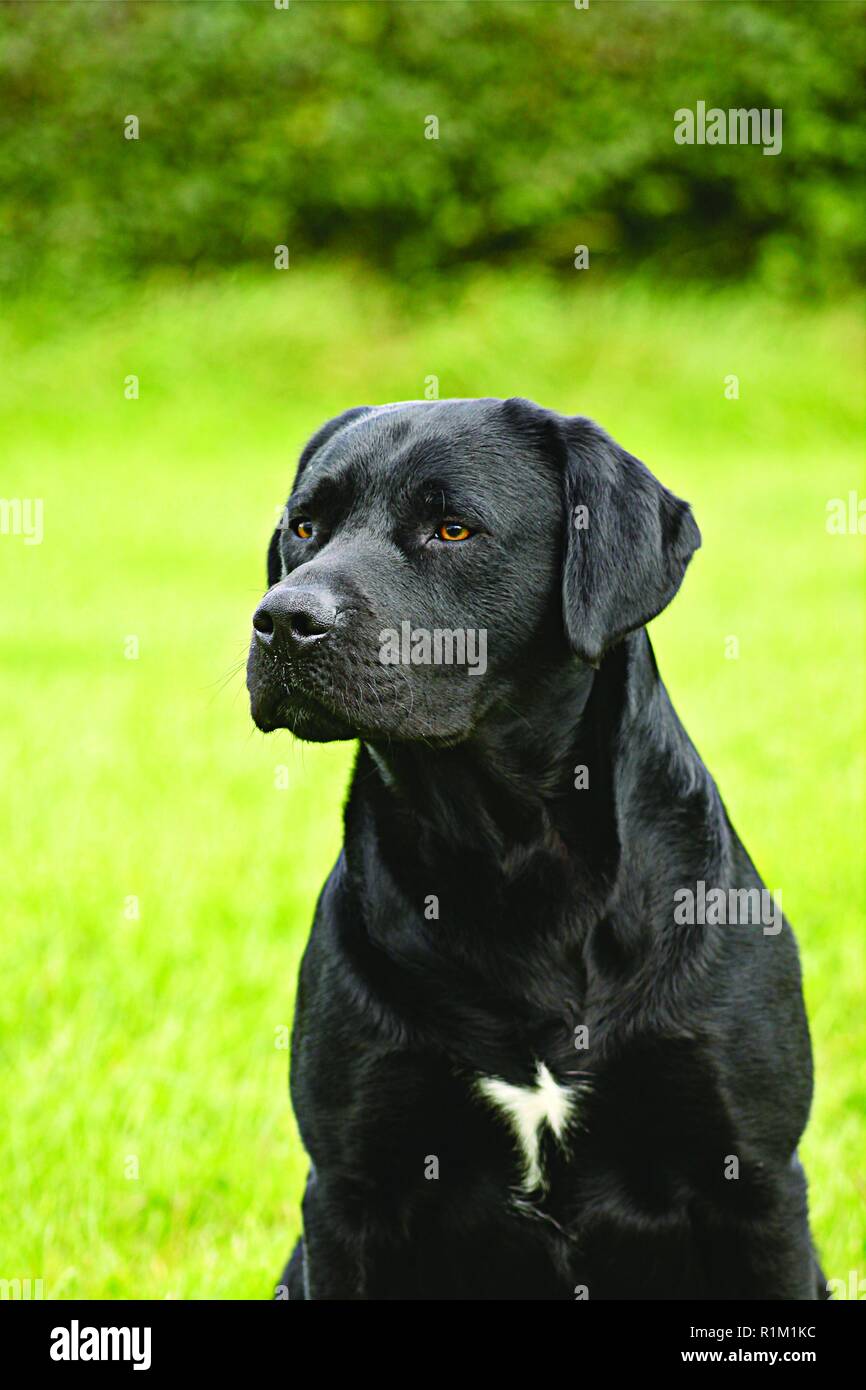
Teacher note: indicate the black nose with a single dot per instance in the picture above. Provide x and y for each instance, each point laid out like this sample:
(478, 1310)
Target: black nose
(297, 617)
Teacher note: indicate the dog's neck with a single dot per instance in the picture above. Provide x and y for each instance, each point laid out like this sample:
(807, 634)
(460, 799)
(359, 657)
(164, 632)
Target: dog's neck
(505, 840)
(498, 787)
(537, 775)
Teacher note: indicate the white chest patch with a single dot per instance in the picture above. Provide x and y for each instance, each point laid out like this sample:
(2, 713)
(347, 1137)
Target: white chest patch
(527, 1109)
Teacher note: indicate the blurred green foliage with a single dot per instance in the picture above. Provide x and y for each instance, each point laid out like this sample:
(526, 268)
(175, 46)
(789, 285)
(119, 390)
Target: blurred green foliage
(306, 127)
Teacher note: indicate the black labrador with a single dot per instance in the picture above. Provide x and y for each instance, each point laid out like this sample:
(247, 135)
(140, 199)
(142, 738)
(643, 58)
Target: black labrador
(550, 1040)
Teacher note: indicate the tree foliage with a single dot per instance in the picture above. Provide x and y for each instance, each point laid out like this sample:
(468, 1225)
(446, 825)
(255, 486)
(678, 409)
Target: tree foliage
(306, 127)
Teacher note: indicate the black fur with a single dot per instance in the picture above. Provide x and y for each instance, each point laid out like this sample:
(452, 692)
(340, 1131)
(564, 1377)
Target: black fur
(555, 903)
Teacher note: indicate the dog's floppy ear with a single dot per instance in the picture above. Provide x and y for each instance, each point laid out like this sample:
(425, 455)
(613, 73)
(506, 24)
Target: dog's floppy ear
(628, 541)
(275, 567)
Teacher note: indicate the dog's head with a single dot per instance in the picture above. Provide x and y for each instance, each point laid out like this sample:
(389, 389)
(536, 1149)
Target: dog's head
(432, 555)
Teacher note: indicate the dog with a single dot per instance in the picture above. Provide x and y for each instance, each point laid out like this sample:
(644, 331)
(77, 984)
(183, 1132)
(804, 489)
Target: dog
(517, 1071)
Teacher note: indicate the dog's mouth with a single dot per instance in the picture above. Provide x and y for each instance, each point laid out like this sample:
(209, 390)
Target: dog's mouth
(322, 701)
(353, 699)
(278, 701)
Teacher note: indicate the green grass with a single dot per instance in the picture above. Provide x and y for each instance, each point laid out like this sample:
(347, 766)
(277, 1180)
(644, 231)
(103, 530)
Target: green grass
(155, 1038)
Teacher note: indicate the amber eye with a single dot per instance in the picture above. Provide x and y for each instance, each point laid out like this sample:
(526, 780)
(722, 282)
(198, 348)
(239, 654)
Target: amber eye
(453, 531)
(303, 528)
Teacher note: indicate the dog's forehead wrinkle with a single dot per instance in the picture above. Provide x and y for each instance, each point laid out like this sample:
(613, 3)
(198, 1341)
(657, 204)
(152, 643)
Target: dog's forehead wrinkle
(382, 482)
(448, 455)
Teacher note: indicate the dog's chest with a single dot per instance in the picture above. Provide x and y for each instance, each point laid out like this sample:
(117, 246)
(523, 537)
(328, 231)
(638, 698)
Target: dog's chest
(531, 1112)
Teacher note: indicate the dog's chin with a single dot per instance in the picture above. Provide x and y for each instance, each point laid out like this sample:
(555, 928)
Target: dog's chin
(310, 719)
(303, 717)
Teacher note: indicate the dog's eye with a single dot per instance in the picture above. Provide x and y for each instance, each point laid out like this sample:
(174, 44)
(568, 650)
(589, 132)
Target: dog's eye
(453, 531)
(302, 527)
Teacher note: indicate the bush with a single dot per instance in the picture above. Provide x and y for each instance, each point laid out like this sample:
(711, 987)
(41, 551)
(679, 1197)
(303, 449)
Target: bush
(306, 127)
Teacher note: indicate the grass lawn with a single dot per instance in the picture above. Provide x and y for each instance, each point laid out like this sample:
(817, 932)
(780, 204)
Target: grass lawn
(158, 881)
